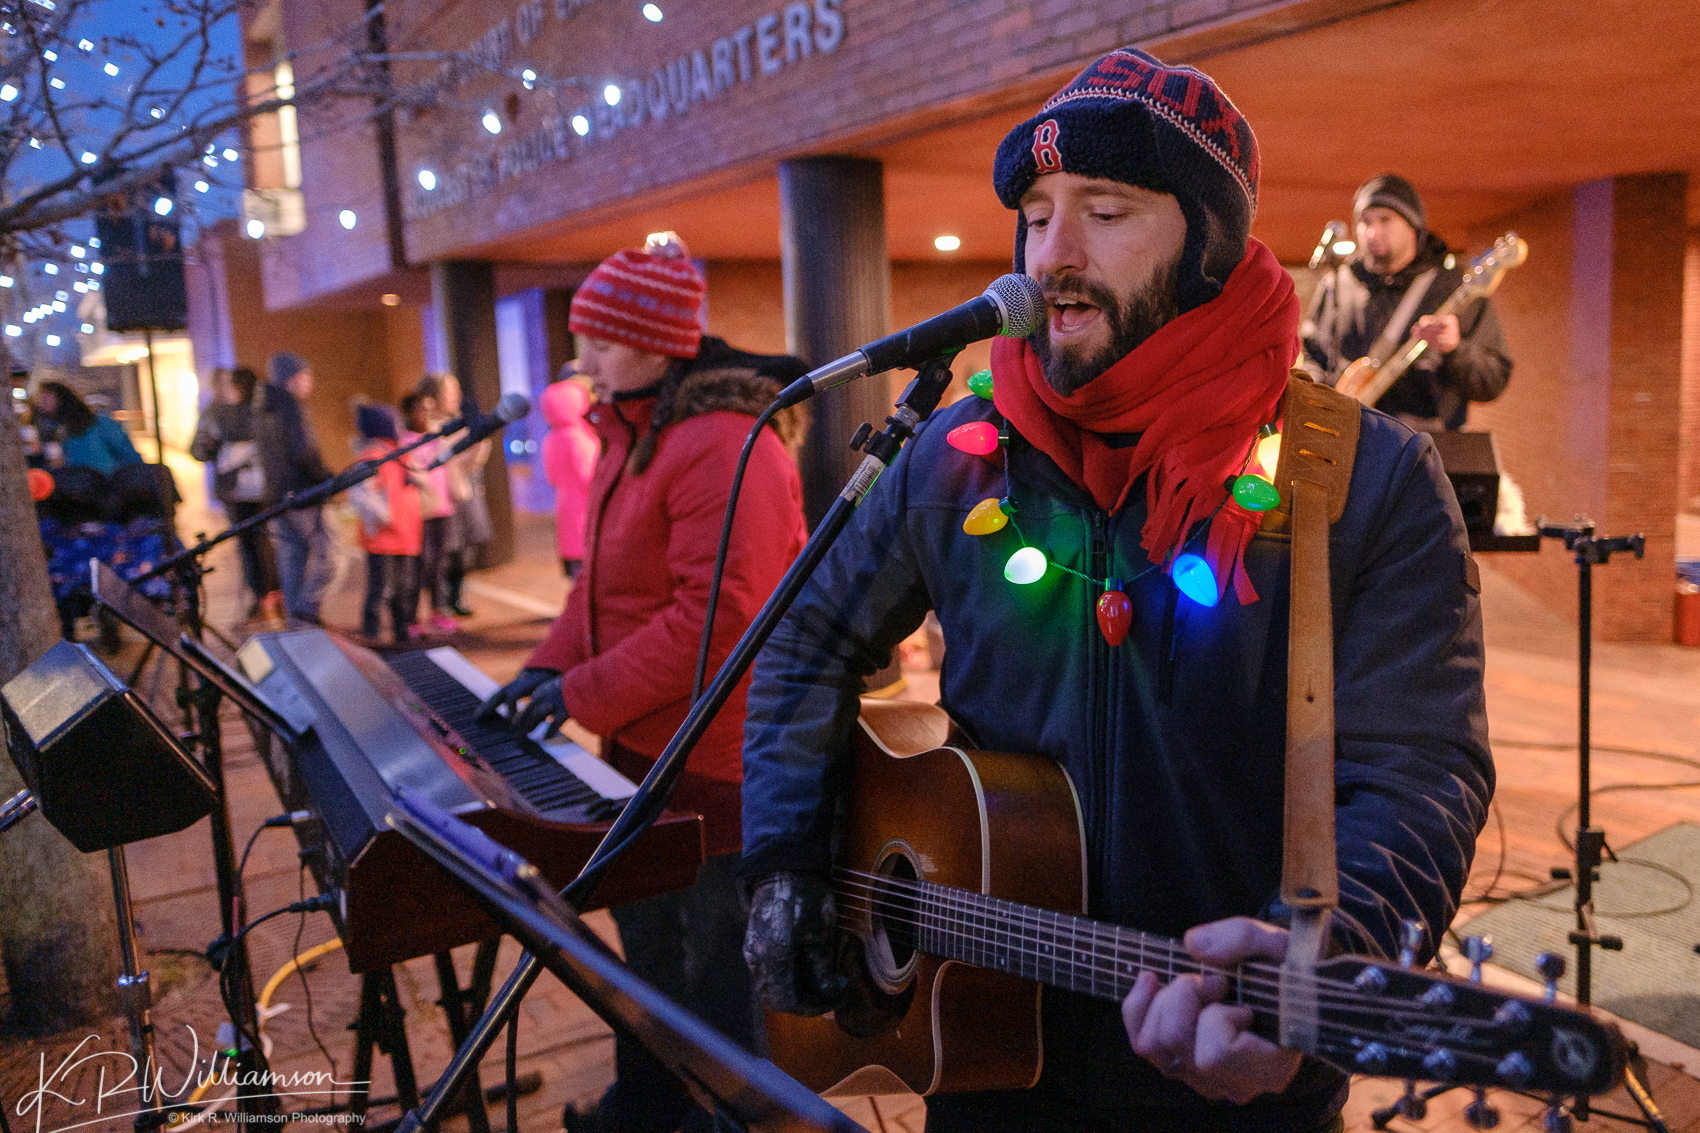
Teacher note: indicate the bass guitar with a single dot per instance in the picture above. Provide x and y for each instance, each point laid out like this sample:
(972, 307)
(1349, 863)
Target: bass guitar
(1367, 381)
(960, 880)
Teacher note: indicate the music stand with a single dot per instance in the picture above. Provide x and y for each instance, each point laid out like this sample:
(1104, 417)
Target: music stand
(748, 1092)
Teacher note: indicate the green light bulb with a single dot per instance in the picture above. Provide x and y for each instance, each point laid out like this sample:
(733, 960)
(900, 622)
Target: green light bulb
(1026, 566)
(980, 384)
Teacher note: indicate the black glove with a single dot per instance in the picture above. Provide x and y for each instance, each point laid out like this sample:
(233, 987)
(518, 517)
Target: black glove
(789, 945)
(516, 690)
(546, 703)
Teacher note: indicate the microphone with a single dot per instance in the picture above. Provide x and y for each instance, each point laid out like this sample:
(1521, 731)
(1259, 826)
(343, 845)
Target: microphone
(511, 408)
(1331, 235)
(1012, 306)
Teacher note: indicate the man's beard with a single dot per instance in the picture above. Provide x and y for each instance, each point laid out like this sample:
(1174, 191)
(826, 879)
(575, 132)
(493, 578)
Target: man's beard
(1132, 319)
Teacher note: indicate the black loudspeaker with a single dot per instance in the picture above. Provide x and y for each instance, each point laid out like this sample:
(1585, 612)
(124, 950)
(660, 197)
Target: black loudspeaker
(143, 254)
(106, 769)
(1472, 464)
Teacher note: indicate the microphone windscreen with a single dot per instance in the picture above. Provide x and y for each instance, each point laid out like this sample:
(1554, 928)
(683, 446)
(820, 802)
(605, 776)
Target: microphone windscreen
(512, 407)
(1022, 303)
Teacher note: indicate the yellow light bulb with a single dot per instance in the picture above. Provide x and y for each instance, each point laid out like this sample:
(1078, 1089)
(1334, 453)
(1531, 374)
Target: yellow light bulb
(1269, 454)
(986, 518)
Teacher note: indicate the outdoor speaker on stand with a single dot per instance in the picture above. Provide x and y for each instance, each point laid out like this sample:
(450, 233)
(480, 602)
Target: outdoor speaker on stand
(105, 772)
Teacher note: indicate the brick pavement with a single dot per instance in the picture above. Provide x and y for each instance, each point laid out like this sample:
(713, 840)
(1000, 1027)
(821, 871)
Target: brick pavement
(1646, 697)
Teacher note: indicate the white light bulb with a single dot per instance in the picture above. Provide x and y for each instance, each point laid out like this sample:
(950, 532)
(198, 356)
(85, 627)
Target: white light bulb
(157, 112)
(85, 45)
(13, 330)
(163, 206)
(529, 78)
(89, 158)
(210, 162)
(256, 229)
(34, 144)
(59, 305)
(491, 122)
(652, 13)
(6, 281)
(50, 269)
(50, 56)
(1345, 247)
(611, 95)
(201, 186)
(98, 269)
(947, 243)
(56, 83)
(78, 252)
(581, 125)
(110, 68)
(427, 180)
(53, 340)
(346, 218)
(8, 93)
(94, 241)
(80, 287)
(93, 286)
(230, 154)
(88, 328)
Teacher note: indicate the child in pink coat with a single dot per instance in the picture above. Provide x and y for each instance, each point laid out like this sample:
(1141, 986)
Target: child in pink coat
(569, 457)
(389, 530)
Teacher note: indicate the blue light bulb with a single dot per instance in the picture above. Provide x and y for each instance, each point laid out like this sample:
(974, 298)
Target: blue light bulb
(1196, 580)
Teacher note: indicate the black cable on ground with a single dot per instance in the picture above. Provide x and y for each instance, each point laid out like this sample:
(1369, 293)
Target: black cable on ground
(513, 1073)
(306, 989)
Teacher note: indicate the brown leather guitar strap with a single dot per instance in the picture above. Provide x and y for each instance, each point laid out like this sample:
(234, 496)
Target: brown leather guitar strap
(1319, 441)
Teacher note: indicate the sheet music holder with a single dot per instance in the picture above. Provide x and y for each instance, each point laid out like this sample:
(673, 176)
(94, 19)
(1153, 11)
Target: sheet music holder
(277, 709)
(747, 1091)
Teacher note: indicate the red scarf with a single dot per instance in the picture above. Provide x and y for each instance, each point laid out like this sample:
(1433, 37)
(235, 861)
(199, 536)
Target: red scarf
(1196, 392)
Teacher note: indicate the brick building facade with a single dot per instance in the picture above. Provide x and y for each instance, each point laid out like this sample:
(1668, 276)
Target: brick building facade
(697, 123)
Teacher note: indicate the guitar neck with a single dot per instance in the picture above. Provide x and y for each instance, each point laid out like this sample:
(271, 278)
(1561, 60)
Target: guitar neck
(1412, 350)
(1052, 948)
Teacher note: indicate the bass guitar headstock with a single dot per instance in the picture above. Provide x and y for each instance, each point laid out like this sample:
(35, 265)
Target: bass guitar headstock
(1486, 270)
(1390, 1021)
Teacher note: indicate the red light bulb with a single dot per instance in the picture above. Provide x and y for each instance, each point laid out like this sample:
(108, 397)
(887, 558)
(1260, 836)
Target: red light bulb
(1115, 613)
(977, 437)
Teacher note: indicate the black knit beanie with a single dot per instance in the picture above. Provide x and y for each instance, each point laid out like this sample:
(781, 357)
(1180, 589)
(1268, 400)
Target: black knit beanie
(1391, 191)
(1130, 118)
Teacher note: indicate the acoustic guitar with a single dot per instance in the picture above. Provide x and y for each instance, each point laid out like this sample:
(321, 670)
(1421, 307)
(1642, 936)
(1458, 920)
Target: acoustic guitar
(960, 881)
(1366, 381)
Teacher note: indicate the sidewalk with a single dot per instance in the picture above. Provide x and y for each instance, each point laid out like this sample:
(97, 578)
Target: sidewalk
(1646, 698)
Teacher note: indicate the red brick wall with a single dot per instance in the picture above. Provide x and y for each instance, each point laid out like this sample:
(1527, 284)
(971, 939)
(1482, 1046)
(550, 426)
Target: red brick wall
(746, 305)
(379, 354)
(1591, 421)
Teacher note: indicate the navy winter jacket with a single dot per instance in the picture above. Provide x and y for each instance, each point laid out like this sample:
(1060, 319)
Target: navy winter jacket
(1175, 740)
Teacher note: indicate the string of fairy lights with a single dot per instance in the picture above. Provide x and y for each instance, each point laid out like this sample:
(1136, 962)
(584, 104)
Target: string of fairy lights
(80, 93)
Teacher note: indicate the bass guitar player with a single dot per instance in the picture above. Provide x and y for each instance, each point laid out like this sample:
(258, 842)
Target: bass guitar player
(1392, 289)
(1111, 607)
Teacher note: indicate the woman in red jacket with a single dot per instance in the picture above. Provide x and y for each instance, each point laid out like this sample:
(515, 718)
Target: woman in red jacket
(673, 410)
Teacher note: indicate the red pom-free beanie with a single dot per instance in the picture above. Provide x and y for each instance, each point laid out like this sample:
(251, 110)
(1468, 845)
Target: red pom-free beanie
(644, 300)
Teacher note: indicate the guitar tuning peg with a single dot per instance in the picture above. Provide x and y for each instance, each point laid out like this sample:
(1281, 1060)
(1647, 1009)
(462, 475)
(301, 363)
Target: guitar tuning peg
(1411, 936)
(1478, 950)
(1480, 1114)
(1551, 967)
(1555, 1120)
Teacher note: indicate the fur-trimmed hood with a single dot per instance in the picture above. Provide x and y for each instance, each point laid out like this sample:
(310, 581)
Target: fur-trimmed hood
(719, 379)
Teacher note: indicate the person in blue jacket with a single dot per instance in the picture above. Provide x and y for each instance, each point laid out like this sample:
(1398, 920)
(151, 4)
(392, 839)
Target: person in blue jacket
(85, 437)
(1168, 344)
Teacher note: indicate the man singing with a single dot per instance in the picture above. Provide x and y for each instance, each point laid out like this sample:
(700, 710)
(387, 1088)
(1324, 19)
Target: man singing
(1168, 346)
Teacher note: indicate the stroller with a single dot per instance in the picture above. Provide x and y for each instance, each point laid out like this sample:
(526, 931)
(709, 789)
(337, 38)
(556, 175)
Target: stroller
(126, 520)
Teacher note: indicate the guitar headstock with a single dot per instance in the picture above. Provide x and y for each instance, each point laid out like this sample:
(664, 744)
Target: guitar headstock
(1381, 1019)
(1486, 270)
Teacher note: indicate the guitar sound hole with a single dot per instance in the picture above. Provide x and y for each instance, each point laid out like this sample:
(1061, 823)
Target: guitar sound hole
(892, 948)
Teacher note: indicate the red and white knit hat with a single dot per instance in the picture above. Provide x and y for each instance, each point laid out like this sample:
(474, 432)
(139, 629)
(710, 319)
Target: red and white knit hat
(642, 299)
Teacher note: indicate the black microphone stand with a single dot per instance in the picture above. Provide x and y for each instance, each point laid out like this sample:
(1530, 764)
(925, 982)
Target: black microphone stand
(1593, 550)
(198, 699)
(642, 809)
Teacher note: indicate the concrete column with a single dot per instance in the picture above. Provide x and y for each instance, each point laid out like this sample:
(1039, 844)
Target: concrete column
(463, 294)
(837, 297)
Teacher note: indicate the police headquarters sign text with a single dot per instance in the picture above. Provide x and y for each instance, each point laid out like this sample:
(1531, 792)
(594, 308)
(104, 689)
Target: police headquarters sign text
(771, 43)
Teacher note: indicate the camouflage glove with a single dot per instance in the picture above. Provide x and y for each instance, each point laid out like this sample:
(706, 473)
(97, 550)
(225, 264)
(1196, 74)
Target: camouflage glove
(789, 945)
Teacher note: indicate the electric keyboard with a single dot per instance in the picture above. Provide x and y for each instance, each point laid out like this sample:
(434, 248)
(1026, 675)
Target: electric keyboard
(410, 722)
